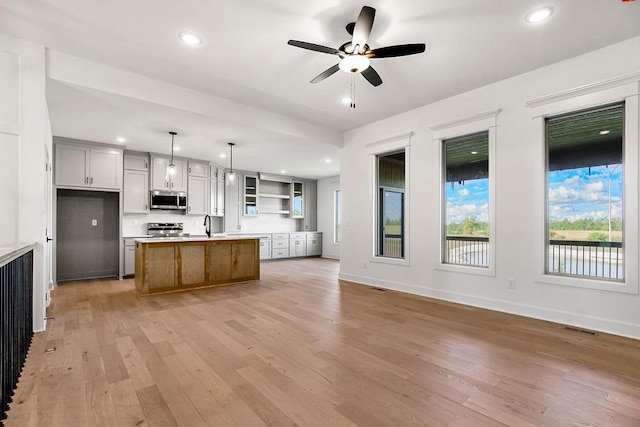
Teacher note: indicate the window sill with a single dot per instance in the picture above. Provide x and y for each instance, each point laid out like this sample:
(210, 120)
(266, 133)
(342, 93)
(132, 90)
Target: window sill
(404, 262)
(594, 284)
(467, 269)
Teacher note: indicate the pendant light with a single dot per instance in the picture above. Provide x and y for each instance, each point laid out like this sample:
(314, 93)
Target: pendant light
(231, 175)
(171, 164)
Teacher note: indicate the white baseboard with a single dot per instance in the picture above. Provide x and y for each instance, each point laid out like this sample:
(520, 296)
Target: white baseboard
(331, 257)
(614, 327)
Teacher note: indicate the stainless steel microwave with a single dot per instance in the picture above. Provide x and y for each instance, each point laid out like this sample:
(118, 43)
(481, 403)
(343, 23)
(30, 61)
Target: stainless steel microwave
(168, 200)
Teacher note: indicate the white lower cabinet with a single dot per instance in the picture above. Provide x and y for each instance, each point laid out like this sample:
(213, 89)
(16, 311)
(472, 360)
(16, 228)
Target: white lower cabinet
(314, 244)
(265, 248)
(280, 246)
(297, 245)
(129, 257)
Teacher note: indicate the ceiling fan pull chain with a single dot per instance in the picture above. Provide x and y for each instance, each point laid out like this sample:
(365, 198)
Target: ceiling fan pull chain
(353, 90)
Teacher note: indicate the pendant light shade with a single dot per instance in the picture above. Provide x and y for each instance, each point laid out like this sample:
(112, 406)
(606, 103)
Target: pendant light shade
(171, 164)
(231, 175)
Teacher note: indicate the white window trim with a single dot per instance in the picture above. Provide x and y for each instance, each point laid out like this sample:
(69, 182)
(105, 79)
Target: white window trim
(374, 149)
(590, 97)
(335, 190)
(467, 125)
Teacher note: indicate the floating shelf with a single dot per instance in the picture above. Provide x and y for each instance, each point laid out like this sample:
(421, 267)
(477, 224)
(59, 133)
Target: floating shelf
(275, 196)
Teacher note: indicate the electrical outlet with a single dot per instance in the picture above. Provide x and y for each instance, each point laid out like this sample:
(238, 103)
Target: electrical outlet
(94, 222)
(511, 283)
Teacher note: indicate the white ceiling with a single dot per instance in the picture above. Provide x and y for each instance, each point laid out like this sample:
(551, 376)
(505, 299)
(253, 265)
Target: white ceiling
(245, 58)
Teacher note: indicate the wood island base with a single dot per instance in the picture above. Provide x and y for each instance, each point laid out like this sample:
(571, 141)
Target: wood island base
(175, 265)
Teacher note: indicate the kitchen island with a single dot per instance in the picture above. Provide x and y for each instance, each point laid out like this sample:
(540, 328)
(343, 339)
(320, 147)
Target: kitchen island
(175, 264)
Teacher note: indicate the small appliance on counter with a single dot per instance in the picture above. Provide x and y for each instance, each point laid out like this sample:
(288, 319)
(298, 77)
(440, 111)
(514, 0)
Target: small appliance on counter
(166, 229)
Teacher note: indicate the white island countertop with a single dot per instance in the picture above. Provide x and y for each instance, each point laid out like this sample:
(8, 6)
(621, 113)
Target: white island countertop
(192, 238)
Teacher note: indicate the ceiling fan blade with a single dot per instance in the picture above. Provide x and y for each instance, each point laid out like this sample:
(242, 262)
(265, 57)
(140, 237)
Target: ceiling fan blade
(314, 47)
(372, 76)
(398, 50)
(363, 28)
(320, 77)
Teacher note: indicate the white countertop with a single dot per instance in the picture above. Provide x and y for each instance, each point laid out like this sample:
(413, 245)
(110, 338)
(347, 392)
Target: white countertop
(192, 238)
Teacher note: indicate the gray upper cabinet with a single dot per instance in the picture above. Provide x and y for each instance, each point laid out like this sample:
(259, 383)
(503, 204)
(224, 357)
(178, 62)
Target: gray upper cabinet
(216, 193)
(136, 162)
(197, 195)
(165, 178)
(135, 197)
(198, 169)
(297, 199)
(310, 205)
(88, 167)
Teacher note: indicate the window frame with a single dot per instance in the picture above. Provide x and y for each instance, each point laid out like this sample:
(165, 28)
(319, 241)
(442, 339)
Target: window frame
(337, 204)
(482, 122)
(575, 100)
(375, 149)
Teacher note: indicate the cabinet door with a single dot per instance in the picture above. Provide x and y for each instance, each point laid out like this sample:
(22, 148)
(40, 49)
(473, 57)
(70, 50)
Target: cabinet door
(314, 246)
(297, 248)
(135, 162)
(198, 169)
(232, 202)
(197, 195)
(129, 260)
(251, 191)
(178, 176)
(220, 196)
(72, 165)
(136, 192)
(159, 178)
(265, 249)
(310, 206)
(297, 200)
(106, 168)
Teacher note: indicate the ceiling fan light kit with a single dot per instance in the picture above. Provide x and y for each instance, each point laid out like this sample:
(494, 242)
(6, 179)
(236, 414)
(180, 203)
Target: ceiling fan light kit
(355, 55)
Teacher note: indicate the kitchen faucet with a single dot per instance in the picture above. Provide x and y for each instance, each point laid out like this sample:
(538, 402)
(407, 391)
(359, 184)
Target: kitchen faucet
(207, 225)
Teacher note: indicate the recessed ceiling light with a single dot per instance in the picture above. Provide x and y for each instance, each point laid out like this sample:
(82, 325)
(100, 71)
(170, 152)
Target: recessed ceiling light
(222, 155)
(283, 171)
(474, 152)
(327, 160)
(120, 139)
(190, 38)
(604, 132)
(538, 15)
(346, 100)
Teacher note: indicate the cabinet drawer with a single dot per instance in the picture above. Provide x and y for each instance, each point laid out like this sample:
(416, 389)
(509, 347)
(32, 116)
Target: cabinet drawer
(280, 253)
(281, 236)
(129, 242)
(280, 243)
(297, 235)
(314, 235)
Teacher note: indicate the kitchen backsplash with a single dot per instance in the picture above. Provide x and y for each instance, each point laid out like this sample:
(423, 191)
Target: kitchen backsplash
(136, 224)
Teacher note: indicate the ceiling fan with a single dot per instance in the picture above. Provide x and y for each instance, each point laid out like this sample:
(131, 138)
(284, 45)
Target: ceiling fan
(355, 55)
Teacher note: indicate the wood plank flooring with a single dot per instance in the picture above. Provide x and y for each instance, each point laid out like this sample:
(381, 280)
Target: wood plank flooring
(301, 348)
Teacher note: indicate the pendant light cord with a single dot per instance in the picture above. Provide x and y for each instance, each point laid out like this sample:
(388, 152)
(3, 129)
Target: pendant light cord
(172, 135)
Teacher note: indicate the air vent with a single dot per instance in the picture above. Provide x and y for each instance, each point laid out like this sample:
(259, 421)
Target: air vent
(581, 331)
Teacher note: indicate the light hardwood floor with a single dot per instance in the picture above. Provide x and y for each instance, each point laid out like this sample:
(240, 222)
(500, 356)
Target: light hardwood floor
(301, 348)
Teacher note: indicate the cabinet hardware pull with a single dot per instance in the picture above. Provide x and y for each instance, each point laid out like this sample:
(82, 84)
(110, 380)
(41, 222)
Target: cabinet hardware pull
(146, 207)
(145, 165)
(86, 179)
(91, 181)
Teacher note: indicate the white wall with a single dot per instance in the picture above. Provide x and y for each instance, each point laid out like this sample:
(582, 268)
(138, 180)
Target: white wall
(519, 165)
(24, 132)
(326, 191)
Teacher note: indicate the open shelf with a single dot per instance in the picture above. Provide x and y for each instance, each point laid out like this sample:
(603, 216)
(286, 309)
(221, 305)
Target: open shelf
(275, 196)
(282, 212)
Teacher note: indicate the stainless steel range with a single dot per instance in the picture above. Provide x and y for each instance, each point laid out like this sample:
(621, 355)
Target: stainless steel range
(166, 229)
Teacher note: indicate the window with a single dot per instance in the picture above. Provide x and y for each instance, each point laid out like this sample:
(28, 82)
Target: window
(390, 178)
(337, 215)
(466, 224)
(585, 194)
